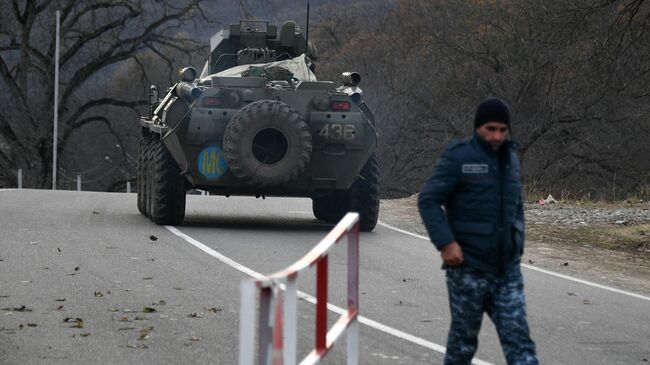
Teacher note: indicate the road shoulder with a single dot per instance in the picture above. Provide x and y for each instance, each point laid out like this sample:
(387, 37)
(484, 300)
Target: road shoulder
(624, 270)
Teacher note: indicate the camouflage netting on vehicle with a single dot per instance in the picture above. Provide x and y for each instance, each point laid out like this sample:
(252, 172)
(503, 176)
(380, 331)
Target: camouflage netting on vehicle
(297, 67)
(270, 73)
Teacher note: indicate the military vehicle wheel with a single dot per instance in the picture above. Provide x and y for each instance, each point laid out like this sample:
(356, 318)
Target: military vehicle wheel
(167, 187)
(330, 208)
(364, 194)
(267, 144)
(143, 147)
(148, 175)
(362, 197)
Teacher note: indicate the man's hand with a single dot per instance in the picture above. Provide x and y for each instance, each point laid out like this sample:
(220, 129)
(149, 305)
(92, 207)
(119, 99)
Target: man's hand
(452, 254)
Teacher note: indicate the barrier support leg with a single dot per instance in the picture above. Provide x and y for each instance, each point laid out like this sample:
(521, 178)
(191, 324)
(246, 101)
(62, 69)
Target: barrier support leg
(352, 334)
(353, 269)
(353, 295)
(247, 323)
(290, 322)
(265, 328)
(321, 305)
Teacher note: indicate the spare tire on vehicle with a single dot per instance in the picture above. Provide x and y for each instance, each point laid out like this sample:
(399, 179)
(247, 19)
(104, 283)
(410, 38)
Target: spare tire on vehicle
(267, 144)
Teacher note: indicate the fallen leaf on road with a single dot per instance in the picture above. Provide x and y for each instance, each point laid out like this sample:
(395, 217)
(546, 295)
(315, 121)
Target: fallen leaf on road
(32, 325)
(426, 320)
(95, 212)
(151, 259)
(84, 334)
(531, 261)
(147, 278)
(124, 319)
(113, 310)
(178, 289)
(59, 307)
(195, 315)
(571, 294)
(78, 322)
(125, 328)
(149, 310)
(139, 318)
(76, 268)
(213, 309)
(153, 238)
(22, 308)
(60, 300)
(192, 339)
(406, 304)
(565, 264)
(58, 249)
(144, 333)
(98, 294)
(586, 301)
(140, 346)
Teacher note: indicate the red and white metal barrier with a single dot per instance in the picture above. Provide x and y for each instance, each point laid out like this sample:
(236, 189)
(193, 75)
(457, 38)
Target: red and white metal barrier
(277, 321)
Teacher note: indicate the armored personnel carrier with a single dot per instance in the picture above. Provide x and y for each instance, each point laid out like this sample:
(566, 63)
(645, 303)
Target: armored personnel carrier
(257, 122)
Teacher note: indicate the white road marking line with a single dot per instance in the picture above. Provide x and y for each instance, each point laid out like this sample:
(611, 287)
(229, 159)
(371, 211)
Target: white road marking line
(226, 260)
(368, 322)
(595, 285)
(403, 231)
(298, 212)
(10, 189)
(548, 272)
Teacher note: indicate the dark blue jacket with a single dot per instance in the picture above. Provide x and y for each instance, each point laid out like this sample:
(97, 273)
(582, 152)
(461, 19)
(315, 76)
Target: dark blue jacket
(481, 191)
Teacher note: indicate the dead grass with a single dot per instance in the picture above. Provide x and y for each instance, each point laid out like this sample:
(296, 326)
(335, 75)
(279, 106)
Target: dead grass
(627, 238)
(632, 239)
(533, 193)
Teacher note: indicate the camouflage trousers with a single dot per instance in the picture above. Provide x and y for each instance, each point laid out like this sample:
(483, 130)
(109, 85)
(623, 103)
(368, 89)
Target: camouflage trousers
(471, 293)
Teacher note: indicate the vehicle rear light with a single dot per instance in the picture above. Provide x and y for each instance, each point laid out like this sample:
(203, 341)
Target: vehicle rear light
(340, 105)
(212, 101)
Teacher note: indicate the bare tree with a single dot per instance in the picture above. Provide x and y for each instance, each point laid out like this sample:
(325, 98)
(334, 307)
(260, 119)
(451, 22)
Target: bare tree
(576, 74)
(96, 38)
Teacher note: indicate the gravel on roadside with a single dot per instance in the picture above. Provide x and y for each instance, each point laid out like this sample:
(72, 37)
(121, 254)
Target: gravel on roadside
(545, 244)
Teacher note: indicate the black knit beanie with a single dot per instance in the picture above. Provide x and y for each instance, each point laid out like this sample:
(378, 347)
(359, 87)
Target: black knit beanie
(492, 110)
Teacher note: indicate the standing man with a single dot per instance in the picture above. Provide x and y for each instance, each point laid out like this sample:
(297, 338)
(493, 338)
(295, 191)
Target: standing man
(481, 236)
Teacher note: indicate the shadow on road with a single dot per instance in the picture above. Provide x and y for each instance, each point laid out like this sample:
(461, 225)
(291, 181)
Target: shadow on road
(249, 222)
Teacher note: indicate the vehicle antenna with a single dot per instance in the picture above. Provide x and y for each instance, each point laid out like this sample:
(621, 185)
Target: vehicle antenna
(307, 30)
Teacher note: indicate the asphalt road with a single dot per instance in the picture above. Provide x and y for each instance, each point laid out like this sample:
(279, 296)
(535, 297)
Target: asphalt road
(79, 270)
